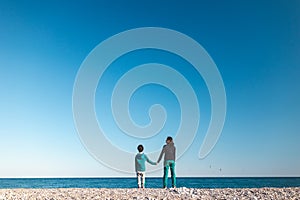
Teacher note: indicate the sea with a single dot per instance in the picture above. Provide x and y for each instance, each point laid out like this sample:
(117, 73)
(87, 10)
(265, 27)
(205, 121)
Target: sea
(228, 182)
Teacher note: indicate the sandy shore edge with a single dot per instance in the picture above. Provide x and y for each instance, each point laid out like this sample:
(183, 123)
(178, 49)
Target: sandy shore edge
(149, 193)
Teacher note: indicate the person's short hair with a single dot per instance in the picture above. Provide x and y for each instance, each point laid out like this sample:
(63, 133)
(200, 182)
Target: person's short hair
(170, 138)
(140, 148)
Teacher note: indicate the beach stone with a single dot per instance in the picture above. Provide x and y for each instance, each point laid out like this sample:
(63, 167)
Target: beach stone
(151, 194)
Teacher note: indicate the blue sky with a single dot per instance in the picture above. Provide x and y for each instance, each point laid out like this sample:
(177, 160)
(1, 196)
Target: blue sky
(255, 45)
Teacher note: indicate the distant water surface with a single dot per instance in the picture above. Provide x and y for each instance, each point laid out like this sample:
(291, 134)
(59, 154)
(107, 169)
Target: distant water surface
(150, 182)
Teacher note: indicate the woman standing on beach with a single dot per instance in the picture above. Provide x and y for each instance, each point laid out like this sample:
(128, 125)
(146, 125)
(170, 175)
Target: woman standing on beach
(169, 161)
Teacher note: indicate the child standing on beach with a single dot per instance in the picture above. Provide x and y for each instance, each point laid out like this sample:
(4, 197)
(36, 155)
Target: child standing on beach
(169, 150)
(140, 167)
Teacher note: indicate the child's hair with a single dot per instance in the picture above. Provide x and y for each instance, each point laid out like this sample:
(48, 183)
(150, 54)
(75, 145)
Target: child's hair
(170, 138)
(140, 148)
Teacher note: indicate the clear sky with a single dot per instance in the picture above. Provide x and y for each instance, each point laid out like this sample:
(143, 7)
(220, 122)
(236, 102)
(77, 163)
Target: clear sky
(255, 45)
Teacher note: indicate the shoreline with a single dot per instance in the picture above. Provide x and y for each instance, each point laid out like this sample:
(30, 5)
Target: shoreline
(151, 193)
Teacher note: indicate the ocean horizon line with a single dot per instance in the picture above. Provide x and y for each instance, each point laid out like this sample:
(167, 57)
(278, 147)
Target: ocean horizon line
(151, 182)
(116, 177)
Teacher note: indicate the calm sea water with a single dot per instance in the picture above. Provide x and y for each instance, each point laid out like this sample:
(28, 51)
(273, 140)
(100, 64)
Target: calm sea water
(150, 182)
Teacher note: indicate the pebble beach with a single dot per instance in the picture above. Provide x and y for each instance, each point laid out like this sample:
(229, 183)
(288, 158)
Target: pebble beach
(151, 194)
